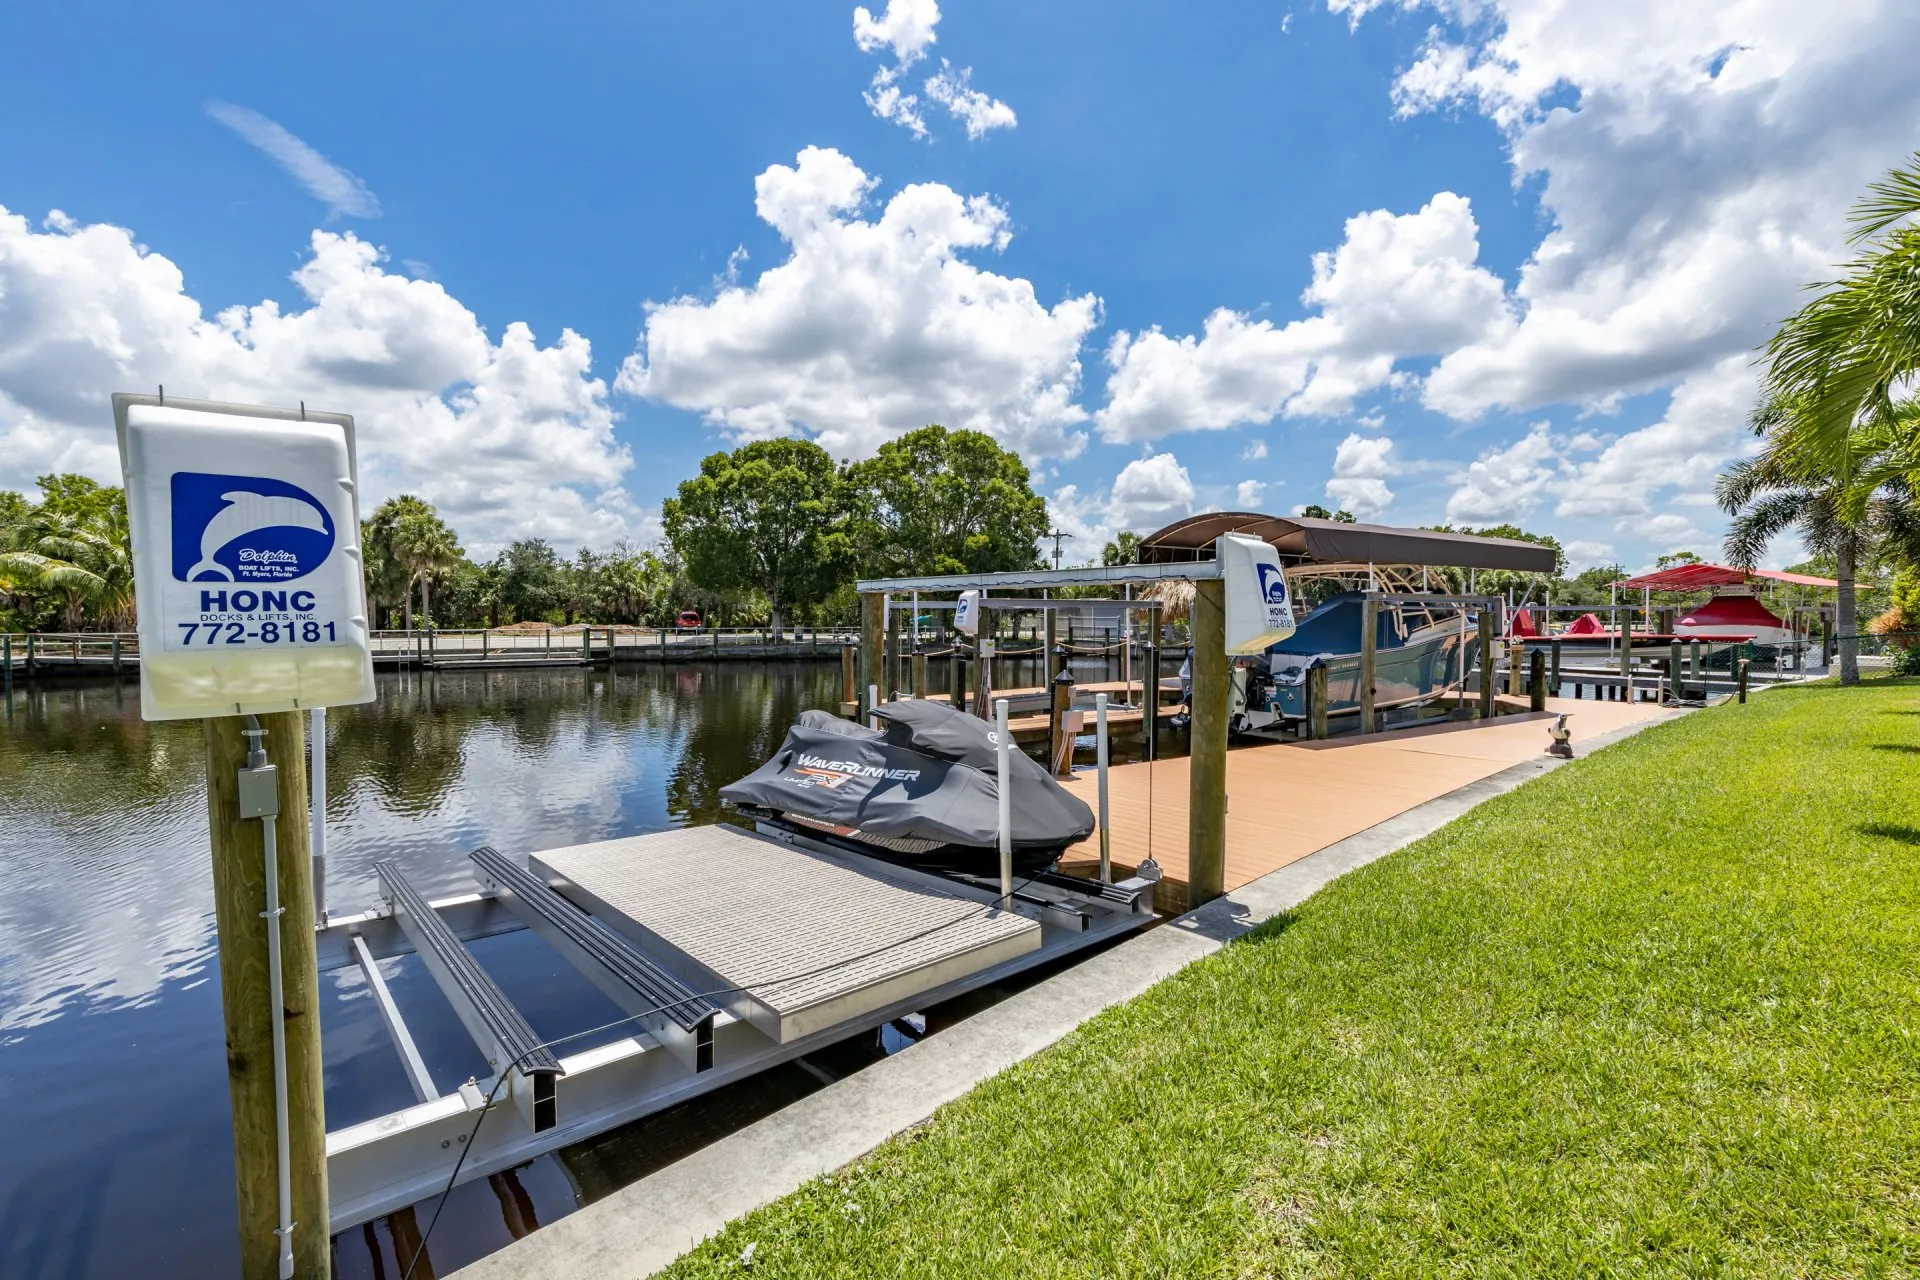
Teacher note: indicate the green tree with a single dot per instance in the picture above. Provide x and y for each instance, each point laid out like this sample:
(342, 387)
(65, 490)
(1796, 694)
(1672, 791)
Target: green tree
(767, 517)
(940, 501)
(529, 578)
(73, 544)
(1124, 549)
(1845, 359)
(429, 550)
(389, 578)
(1859, 510)
(1318, 512)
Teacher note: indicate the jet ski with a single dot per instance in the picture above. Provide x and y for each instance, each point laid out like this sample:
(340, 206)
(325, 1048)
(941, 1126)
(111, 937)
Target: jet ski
(923, 791)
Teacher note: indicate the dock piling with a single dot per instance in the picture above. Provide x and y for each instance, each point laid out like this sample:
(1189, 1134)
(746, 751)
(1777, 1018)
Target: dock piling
(1740, 676)
(919, 673)
(872, 620)
(1369, 660)
(1676, 688)
(1061, 741)
(1537, 681)
(240, 890)
(1317, 702)
(1486, 663)
(1553, 681)
(956, 677)
(1207, 750)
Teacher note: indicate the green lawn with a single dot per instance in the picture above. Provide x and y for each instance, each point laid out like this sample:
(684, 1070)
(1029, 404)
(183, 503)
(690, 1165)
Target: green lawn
(1653, 1014)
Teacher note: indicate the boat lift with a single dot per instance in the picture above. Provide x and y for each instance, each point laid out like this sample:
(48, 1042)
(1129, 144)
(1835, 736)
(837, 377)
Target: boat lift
(730, 950)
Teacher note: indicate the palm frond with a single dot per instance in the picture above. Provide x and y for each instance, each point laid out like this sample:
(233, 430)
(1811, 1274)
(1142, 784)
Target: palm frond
(1887, 201)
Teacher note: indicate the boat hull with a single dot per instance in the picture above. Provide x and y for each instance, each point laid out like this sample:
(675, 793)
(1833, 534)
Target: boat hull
(1427, 664)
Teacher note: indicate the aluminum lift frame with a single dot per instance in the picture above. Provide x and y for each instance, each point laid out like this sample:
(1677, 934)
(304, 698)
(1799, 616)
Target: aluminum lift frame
(384, 1164)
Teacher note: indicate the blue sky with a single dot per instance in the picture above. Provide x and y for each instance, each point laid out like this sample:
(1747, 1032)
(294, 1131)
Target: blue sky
(1568, 230)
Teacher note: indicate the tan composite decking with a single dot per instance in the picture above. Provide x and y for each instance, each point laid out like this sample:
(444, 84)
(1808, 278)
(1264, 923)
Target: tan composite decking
(1287, 800)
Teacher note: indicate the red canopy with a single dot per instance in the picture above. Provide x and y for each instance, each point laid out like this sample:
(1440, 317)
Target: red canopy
(1696, 577)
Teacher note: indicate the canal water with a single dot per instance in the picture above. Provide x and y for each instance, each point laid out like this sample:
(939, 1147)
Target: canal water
(117, 1158)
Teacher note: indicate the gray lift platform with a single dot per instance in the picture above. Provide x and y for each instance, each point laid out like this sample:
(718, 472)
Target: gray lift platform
(732, 950)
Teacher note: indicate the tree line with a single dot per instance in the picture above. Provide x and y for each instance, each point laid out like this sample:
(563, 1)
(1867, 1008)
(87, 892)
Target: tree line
(777, 531)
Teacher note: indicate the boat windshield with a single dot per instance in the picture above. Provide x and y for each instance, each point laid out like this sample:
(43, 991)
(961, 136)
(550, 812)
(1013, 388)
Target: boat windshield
(1335, 628)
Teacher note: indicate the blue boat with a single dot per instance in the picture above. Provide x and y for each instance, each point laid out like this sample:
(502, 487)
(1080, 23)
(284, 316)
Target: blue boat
(1419, 653)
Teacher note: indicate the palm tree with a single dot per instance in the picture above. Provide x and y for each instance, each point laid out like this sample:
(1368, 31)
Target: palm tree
(389, 578)
(1845, 356)
(89, 561)
(1861, 510)
(428, 549)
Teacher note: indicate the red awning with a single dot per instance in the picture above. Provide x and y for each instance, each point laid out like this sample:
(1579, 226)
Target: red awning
(1698, 577)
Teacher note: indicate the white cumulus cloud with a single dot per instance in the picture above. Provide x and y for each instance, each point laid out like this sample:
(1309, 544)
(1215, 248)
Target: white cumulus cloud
(1247, 494)
(510, 438)
(1397, 286)
(977, 111)
(325, 181)
(906, 29)
(1361, 466)
(872, 327)
(1148, 493)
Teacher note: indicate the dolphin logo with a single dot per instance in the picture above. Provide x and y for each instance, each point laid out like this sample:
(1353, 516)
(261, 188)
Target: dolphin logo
(250, 513)
(246, 529)
(1273, 583)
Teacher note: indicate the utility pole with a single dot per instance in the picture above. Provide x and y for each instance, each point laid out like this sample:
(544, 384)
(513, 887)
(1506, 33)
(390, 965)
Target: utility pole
(1058, 536)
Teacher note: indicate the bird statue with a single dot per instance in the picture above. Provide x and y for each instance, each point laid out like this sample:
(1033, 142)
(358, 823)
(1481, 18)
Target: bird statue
(1562, 744)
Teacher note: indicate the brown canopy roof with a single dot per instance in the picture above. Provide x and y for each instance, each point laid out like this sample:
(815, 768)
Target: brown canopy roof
(1305, 540)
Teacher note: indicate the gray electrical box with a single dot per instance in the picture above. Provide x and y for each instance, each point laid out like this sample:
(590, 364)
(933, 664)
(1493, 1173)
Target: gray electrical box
(260, 792)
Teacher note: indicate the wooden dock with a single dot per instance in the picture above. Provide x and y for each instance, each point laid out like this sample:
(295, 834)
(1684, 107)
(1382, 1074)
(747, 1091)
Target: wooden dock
(1287, 800)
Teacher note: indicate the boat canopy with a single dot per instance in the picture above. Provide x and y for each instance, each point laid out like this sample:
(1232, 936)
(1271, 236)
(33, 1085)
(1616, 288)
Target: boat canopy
(1699, 576)
(1304, 541)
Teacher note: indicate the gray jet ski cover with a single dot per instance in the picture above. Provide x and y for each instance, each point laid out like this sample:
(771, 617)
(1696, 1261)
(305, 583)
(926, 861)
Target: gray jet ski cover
(929, 776)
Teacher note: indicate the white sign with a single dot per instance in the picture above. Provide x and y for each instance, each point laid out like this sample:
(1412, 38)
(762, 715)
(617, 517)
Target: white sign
(1259, 606)
(246, 554)
(966, 614)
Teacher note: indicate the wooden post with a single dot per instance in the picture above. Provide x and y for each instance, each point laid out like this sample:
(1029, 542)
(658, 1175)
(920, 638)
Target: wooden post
(30, 639)
(586, 644)
(116, 653)
(983, 667)
(486, 642)
(1625, 620)
(1207, 765)
(1675, 676)
(6, 662)
(1694, 670)
(1049, 643)
(1553, 680)
(239, 893)
(891, 682)
(872, 651)
(956, 676)
(1369, 659)
(1666, 614)
(1740, 675)
(1059, 741)
(849, 679)
(1537, 680)
(919, 674)
(1486, 664)
(1317, 702)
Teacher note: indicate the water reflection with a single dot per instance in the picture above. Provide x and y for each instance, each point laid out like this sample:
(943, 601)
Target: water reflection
(110, 1027)
(118, 1155)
